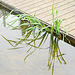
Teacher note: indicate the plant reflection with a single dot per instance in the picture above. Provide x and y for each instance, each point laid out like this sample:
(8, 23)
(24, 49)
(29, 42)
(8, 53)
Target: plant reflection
(54, 52)
(3, 14)
(31, 37)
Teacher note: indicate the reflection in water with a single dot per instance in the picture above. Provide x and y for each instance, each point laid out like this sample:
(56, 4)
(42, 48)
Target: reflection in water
(54, 52)
(3, 14)
(31, 39)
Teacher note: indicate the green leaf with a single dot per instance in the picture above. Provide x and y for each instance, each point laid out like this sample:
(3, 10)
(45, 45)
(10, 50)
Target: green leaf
(42, 39)
(8, 41)
(8, 15)
(29, 55)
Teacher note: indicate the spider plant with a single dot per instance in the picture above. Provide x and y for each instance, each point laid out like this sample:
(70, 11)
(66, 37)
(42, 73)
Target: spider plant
(31, 30)
(54, 50)
(56, 23)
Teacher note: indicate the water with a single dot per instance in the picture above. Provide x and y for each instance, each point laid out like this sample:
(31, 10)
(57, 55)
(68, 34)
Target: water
(12, 60)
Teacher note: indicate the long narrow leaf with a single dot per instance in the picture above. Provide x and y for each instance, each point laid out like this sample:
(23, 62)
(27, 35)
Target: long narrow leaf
(8, 41)
(42, 39)
(29, 55)
(8, 15)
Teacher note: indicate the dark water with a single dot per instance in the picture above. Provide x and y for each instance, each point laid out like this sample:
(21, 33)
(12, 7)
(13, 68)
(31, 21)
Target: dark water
(12, 60)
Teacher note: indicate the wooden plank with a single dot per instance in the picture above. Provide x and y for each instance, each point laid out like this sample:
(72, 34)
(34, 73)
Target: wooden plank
(72, 32)
(16, 1)
(60, 7)
(60, 10)
(43, 9)
(69, 14)
(44, 15)
(30, 4)
(68, 21)
(70, 27)
(35, 9)
(49, 5)
(25, 3)
(41, 4)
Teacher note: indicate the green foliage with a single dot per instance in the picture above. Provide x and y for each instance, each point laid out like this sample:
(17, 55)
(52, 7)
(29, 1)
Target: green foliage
(32, 29)
(55, 25)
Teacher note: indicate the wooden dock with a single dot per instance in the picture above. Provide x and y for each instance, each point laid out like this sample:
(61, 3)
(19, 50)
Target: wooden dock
(43, 10)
